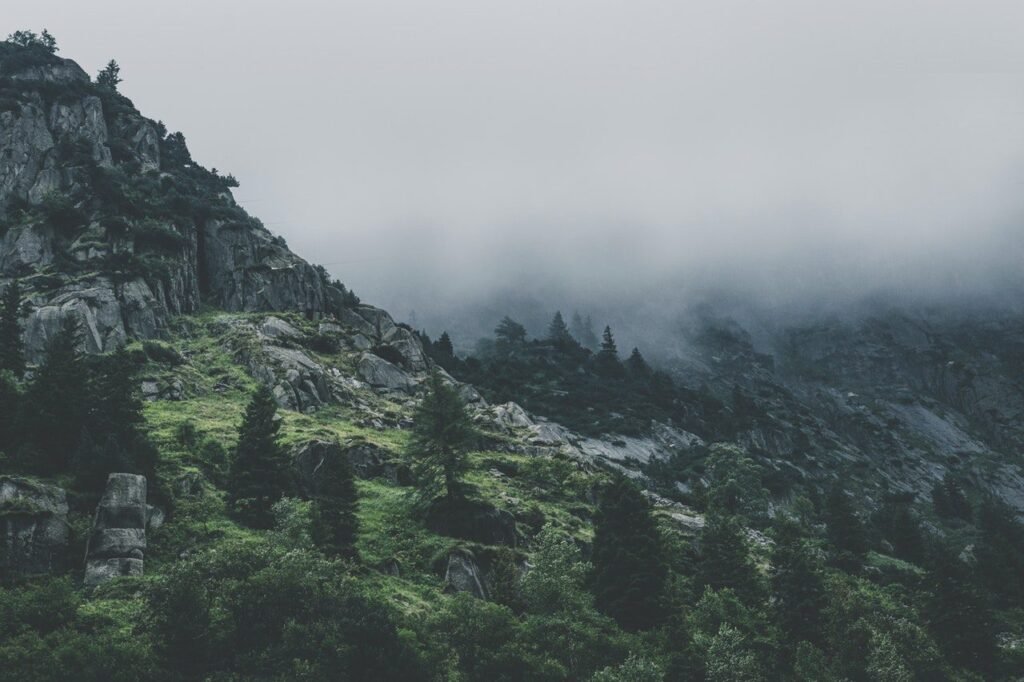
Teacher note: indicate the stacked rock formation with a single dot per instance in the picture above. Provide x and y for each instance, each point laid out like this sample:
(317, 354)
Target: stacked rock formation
(118, 539)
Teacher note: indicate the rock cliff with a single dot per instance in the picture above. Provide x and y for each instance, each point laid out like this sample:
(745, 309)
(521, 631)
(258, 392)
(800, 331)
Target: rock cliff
(105, 217)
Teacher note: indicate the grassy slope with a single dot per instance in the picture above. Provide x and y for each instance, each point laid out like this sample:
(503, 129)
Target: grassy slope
(217, 390)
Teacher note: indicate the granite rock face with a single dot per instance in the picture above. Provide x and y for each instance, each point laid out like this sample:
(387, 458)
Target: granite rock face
(121, 266)
(33, 526)
(117, 544)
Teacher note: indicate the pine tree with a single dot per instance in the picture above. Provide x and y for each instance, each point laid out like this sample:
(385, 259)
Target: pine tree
(558, 332)
(607, 361)
(444, 346)
(442, 434)
(583, 331)
(901, 528)
(10, 410)
(725, 560)
(116, 421)
(958, 612)
(58, 400)
(949, 500)
(845, 530)
(629, 562)
(797, 588)
(637, 366)
(259, 474)
(510, 332)
(335, 526)
(110, 76)
(12, 349)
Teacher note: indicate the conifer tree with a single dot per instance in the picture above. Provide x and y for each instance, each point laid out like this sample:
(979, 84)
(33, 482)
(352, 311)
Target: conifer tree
(958, 612)
(583, 331)
(58, 400)
(845, 530)
(558, 332)
(797, 588)
(607, 361)
(10, 404)
(725, 559)
(115, 420)
(629, 562)
(334, 525)
(637, 366)
(259, 474)
(444, 346)
(442, 434)
(110, 76)
(901, 528)
(949, 500)
(12, 349)
(510, 332)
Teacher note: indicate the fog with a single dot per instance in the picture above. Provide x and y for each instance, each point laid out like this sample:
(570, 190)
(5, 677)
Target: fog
(456, 157)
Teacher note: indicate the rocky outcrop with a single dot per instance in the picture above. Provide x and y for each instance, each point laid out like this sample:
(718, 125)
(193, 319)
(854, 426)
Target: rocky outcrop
(246, 268)
(380, 373)
(33, 526)
(108, 314)
(367, 460)
(61, 146)
(660, 442)
(118, 540)
(462, 574)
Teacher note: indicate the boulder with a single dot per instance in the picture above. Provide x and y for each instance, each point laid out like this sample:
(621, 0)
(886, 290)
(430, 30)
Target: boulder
(380, 373)
(367, 460)
(33, 526)
(508, 417)
(276, 328)
(118, 540)
(462, 574)
(472, 520)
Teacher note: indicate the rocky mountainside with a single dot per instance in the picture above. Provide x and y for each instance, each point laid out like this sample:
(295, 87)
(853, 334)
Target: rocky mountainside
(890, 401)
(242, 490)
(105, 217)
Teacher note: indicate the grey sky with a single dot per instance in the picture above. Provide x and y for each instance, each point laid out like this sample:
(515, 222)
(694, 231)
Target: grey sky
(437, 150)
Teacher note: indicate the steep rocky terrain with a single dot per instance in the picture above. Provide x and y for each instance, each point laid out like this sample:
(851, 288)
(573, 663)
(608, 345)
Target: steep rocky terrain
(106, 220)
(891, 401)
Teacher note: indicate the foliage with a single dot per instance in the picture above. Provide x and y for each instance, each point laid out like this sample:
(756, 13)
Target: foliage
(797, 587)
(109, 76)
(725, 559)
(12, 351)
(556, 581)
(259, 475)
(57, 395)
(635, 669)
(510, 332)
(629, 563)
(845, 529)
(442, 434)
(335, 524)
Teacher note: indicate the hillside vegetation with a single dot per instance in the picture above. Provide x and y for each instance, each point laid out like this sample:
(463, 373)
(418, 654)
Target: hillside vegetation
(330, 495)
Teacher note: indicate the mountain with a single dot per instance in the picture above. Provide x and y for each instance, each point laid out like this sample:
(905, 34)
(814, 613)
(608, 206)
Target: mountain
(269, 479)
(106, 217)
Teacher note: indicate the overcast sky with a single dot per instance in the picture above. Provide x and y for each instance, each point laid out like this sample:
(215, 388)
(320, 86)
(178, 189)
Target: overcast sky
(438, 150)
